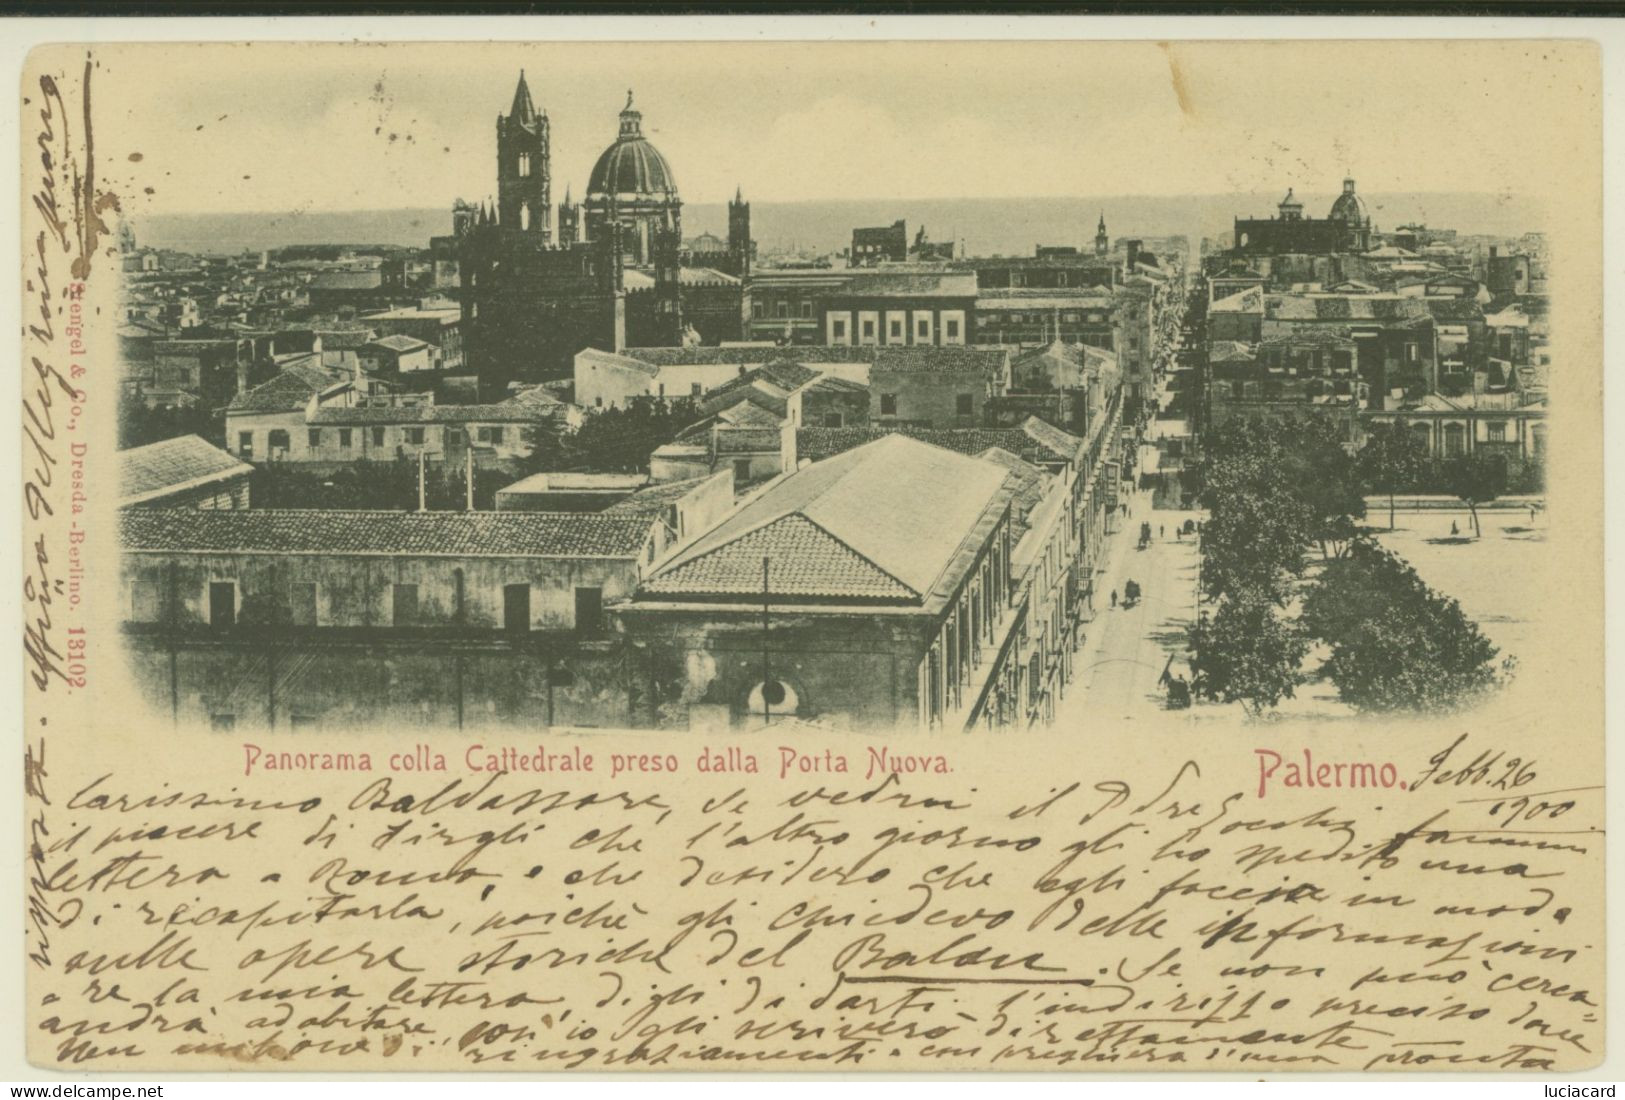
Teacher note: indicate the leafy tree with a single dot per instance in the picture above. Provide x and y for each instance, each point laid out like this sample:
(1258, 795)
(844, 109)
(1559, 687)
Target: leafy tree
(1396, 643)
(1247, 652)
(139, 425)
(1393, 459)
(1476, 479)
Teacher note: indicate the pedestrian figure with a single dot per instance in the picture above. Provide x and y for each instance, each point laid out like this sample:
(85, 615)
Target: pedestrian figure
(1162, 531)
(1179, 534)
(1531, 515)
(1114, 599)
(1454, 530)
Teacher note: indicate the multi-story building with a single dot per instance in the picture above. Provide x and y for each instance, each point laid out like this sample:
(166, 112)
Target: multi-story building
(904, 308)
(944, 386)
(293, 620)
(879, 244)
(1346, 228)
(1038, 317)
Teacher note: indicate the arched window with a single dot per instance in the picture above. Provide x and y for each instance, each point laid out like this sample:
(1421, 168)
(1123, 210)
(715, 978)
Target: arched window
(524, 165)
(524, 215)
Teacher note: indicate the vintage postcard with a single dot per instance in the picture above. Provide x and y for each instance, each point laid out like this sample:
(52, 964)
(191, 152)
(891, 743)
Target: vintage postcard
(860, 556)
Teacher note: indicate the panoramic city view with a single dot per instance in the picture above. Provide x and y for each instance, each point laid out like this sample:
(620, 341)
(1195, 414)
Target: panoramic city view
(585, 449)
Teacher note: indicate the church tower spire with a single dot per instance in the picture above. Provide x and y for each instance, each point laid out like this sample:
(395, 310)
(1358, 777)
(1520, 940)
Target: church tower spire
(524, 166)
(1102, 242)
(740, 248)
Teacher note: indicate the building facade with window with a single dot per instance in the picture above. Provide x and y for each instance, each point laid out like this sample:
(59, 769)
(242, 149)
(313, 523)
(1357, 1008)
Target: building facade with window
(902, 309)
(276, 620)
(885, 581)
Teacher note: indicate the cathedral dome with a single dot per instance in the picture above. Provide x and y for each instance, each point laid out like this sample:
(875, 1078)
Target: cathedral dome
(1349, 207)
(632, 166)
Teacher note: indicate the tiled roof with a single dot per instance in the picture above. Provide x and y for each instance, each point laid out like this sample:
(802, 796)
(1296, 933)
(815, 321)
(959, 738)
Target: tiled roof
(338, 339)
(348, 280)
(822, 443)
(883, 521)
(398, 343)
(1061, 444)
(172, 466)
(911, 285)
(1329, 336)
(469, 534)
(809, 562)
(505, 413)
(535, 396)
(629, 362)
(1230, 351)
(654, 499)
(1350, 307)
(1250, 300)
(292, 388)
(1030, 482)
(839, 385)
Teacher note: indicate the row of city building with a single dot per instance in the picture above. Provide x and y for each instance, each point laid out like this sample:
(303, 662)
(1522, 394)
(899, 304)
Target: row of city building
(887, 505)
(1419, 327)
(863, 577)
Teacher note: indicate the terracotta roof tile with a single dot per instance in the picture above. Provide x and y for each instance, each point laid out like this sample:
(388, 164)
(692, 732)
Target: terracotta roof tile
(466, 534)
(173, 465)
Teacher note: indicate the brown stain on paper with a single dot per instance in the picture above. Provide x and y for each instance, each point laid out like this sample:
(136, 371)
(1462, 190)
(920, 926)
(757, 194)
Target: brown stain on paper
(1176, 76)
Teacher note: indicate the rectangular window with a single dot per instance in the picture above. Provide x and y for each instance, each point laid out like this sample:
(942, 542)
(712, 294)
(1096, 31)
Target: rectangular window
(589, 610)
(963, 404)
(806, 311)
(758, 310)
(695, 389)
(832, 420)
(146, 600)
(493, 435)
(838, 328)
(952, 329)
(1497, 430)
(888, 404)
(245, 444)
(302, 603)
(1411, 353)
(516, 608)
(222, 604)
(414, 436)
(405, 605)
(868, 329)
(741, 470)
(922, 328)
(344, 437)
(781, 309)
(895, 331)
(315, 436)
(378, 437)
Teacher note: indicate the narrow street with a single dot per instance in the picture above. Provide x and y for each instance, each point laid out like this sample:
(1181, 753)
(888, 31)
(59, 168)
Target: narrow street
(1125, 650)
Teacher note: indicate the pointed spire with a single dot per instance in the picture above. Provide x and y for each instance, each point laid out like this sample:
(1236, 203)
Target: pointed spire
(523, 110)
(567, 194)
(739, 195)
(1103, 221)
(628, 106)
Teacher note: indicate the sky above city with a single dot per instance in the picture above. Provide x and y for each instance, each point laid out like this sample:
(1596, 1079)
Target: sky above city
(230, 128)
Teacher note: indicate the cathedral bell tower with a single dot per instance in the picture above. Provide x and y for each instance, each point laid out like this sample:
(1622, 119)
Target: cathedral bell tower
(1102, 242)
(740, 248)
(524, 168)
(665, 250)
